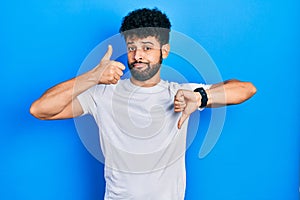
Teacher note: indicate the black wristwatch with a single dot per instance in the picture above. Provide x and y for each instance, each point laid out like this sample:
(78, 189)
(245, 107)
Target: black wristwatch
(203, 94)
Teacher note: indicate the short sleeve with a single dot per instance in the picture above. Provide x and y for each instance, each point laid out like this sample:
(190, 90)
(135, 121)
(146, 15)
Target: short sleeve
(87, 101)
(193, 86)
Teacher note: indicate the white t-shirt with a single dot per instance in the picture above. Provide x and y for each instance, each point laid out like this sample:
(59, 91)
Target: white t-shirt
(143, 148)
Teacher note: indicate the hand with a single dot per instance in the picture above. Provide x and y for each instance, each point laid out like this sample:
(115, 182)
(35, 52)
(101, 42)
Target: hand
(108, 71)
(187, 102)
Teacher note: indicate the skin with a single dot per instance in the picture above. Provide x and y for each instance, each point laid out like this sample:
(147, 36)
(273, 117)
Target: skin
(147, 50)
(60, 101)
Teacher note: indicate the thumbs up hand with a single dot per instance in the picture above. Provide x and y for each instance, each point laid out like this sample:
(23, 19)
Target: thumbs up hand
(108, 71)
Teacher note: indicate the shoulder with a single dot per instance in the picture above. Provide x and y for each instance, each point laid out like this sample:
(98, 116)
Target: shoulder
(174, 86)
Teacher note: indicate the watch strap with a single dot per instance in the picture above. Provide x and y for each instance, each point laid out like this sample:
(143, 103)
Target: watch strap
(203, 94)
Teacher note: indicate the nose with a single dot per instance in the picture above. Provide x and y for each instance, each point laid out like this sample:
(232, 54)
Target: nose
(139, 54)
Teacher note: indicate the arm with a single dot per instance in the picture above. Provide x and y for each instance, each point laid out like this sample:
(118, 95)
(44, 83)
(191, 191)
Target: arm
(60, 101)
(226, 93)
(230, 92)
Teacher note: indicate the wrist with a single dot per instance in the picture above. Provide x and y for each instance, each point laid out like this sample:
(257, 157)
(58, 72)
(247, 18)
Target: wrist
(209, 99)
(198, 98)
(94, 76)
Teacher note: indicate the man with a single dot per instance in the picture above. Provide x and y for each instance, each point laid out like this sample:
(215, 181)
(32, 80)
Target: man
(142, 120)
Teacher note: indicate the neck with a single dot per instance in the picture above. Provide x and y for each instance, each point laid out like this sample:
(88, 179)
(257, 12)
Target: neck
(148, 83)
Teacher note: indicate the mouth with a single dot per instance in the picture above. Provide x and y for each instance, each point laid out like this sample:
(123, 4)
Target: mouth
(140, 65)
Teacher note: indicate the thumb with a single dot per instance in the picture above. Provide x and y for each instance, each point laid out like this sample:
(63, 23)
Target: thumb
(182, 119)
(108, 53)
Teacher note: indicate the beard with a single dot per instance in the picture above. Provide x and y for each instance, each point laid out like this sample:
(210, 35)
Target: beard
(147, 73)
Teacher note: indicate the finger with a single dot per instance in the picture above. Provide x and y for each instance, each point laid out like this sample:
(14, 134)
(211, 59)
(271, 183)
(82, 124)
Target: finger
(179, 95)
(116, 77)
(179, 103)
(119, 65)
(182, 119)
(178, 109)
(108, 53)
(118, 72)
(179, 106)
(114, 80)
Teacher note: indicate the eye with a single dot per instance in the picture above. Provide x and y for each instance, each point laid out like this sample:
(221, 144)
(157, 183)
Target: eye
(131, 49)
(146, 48)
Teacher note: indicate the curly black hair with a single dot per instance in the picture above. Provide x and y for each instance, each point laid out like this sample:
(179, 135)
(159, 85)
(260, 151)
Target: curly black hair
(146, 22)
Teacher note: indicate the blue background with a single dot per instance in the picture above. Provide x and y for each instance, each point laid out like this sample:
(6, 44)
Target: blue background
(257, 156)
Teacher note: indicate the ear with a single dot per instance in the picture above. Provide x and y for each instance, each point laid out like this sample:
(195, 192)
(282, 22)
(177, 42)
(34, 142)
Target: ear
(165, 50)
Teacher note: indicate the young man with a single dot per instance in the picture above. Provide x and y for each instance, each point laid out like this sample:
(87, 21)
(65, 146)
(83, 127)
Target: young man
(142, 120)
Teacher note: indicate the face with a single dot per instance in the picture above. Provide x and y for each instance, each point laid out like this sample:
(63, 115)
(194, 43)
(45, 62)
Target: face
(145, 57)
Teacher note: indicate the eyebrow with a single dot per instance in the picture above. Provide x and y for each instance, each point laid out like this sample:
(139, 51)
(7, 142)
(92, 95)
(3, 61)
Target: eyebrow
(146, 42)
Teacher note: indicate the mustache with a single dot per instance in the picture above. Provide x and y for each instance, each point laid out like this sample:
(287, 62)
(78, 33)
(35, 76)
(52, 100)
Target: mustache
(135, 62)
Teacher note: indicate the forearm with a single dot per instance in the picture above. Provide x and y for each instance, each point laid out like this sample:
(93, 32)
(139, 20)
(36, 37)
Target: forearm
(57, 98)
(229, 92)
